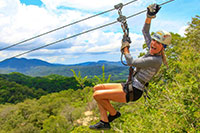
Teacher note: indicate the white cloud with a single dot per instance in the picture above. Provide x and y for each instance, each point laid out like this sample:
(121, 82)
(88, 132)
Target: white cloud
(19, 22)
(23, 21)
(91, 5)
(2, 4)
(27, 21)
(8, 54)
(182, 30)
(100, 42)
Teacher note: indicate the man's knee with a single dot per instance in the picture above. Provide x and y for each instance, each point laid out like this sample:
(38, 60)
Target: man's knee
(96, 95)
(98, 87)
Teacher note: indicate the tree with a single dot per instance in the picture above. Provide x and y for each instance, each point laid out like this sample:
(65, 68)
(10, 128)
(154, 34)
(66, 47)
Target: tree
(79, 79)
(193, 33)
(102, 79)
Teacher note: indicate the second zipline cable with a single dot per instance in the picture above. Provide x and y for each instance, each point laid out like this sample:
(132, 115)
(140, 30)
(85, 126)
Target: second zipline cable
(83, 32)
(26, 40)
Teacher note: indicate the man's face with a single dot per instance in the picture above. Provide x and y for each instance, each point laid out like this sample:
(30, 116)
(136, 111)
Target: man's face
(155, 47)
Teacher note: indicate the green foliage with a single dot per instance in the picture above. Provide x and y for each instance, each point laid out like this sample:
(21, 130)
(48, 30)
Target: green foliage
(102, 79)
(11, 92)
(48, 83)
(79, 79)
(17, 87)
(56, 124)
(89, 71)
(193, 33)
(55, 112)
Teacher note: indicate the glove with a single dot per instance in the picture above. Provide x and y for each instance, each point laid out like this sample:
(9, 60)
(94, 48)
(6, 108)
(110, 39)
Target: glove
(126, 38)
(125, 43)
(152, 10)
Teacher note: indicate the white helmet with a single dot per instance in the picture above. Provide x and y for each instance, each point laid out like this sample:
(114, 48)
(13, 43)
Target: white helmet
(163, 37)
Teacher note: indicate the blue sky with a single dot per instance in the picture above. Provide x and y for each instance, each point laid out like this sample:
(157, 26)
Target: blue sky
(22, 19)
(32, 2)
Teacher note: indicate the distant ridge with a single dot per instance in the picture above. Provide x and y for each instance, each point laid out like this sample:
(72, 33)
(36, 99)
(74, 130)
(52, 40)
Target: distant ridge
(23, 63)
(101, 62)
(36, 67)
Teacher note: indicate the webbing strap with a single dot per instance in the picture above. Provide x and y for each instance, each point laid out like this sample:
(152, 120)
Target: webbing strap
(130, 74)
(146, 93)
(130, 89)
(129, 84)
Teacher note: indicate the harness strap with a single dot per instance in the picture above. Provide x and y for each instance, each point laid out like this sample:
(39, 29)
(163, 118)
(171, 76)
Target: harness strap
(129, 84)
(130, 74)
(146, 93)
(130, 88)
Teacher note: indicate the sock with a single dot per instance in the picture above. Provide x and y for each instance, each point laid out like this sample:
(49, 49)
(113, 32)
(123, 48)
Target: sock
(111, 118)
(104, 122)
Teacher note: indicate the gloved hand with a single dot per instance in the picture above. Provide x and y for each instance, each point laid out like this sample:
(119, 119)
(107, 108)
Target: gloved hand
(152, 10)
(125, 43)
(126, 38)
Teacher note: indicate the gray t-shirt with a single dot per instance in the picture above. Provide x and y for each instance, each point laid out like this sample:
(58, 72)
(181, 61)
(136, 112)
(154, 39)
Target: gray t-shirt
(146, 66)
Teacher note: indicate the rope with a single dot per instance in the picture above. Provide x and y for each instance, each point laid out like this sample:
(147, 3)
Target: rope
(82, 33)
(63, 27)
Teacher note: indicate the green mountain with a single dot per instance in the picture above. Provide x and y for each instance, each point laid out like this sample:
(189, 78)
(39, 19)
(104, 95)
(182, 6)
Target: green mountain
(35, 67)
(23, 64)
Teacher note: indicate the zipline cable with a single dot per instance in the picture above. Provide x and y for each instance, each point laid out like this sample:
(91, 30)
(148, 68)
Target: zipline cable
(64, 26)
(82, 33)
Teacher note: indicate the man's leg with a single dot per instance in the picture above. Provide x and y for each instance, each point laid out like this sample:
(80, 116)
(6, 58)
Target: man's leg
(103, 96)
(107, 86)
(104, 93)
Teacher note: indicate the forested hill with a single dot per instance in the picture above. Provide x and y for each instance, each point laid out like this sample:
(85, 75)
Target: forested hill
(35, 67)
(174, 105)
(16, 87)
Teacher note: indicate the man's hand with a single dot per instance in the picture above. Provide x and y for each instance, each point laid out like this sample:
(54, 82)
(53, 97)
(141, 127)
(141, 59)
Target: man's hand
(126, 38)
(152, 10)
(124, 45)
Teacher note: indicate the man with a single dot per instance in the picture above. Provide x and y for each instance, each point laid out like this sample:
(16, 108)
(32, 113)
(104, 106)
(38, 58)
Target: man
(146, 67)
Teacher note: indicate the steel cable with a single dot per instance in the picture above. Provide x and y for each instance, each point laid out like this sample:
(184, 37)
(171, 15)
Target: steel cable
(83, 32)
(63, 27)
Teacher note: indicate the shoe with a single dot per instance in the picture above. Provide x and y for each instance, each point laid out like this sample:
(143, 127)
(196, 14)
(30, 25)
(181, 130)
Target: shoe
(111, 118)
(100, 126)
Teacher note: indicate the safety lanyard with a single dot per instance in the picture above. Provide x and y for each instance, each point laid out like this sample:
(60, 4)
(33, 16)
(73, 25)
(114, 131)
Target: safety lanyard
(124, 25)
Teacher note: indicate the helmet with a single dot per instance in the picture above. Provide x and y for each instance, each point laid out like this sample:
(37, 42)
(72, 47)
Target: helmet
(162, 37)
